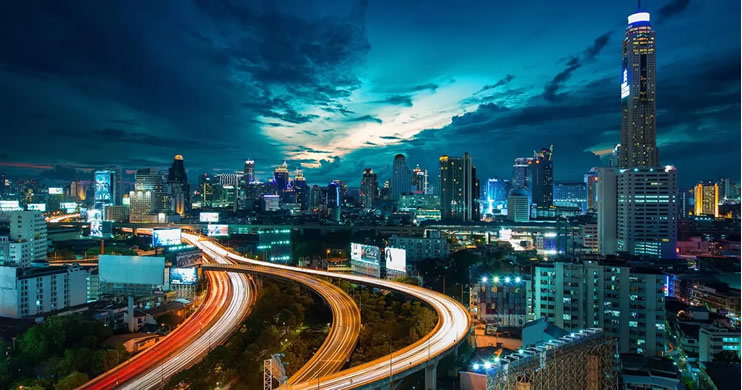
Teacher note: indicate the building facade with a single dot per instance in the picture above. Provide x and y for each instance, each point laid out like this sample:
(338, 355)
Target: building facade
(459, 189)
(706, 199)
(34, 291)
(433, 246)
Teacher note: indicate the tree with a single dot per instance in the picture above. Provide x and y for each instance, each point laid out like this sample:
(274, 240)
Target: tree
(726, 357)
(72, 381)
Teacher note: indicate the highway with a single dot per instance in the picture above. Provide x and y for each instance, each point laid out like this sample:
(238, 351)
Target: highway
(228, 299)
(453, 324)
(344, 330)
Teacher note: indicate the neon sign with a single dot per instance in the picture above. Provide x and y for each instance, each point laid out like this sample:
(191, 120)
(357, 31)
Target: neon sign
(625, 89)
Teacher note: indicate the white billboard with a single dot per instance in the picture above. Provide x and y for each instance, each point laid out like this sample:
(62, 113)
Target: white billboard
(365, 253)
(396, 259)
(166, 237)
(208, 217)
(56, 191)
(131, 269)
(36, 206)
(217, 230)
(68, 207)
(9, 205)
(95, 218)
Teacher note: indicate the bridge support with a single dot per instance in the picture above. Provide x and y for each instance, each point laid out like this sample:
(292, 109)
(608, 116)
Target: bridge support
(431, 372)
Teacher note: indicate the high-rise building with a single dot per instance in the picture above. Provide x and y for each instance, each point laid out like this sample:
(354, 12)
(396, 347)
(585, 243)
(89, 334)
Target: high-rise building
(638, 107)
(369, 189)
(147, 198)
(519, 209)
(541, 178)
(401, 177)
(459, 189)
(520, 173)
(302, 189)
(27, 239)
(591, 186)
(281, 176)
(496, 194)
(420, 180)
(177, 186)
(646, 218)
(606, 200)
(571, 194)
(728, 189)
(249, 171)
(706, 199)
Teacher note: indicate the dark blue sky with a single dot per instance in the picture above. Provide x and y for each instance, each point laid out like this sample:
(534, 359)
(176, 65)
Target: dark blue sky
(335, 87)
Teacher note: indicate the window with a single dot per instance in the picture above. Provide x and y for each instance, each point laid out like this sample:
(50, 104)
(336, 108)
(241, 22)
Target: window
(633, 324)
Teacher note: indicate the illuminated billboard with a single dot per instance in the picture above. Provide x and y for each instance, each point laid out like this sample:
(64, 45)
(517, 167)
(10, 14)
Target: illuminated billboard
(56, 191)
(36, 206)
(208, 217)
(9, 205)
(68, 207)
(365, 253)
(103, 187)
(95, 218)
(131, 269)
(396, 259)
(183, 276)
(217, 230)
(166, 237)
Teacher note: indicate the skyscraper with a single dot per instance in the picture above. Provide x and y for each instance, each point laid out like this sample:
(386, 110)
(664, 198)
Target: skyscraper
(249, 171)
(369, 188)
(302, 189)
(147, 198)
(401, 177)
(177, 186)
(281, 176)
(420, 180)
(706, 199)
(638, 107)
(520, 173)
(541, 178)
(459, 189)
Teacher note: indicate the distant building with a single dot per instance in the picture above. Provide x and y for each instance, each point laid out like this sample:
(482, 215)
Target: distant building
(401, 177)
(706, 199)
(27, 240)
(459, 189)
(570, 194)
(502, 300)
(420, 181)
(541, 178)
(421, 248)
(178, 188)
(249, 171)
(38, 290)
(147, 199)
(369, 189)
(281, 177)
(717, 337)
(519, 209)
(520, 173)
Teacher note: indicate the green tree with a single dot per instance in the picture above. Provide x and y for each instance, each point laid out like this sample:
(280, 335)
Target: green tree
(72, 381)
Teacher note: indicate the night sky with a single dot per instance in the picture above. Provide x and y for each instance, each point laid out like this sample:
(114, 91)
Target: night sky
(335, 87)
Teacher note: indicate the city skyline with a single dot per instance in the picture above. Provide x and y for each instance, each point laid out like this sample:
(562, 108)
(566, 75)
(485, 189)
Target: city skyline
(418, 102)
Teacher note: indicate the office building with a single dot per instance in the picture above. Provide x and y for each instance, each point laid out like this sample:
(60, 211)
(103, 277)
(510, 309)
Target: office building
(628, 303)
(249, 171)
(401, 177)
(369, 189)
(432, 246)
(459, 189)
(228, 179)
(646, 217)
(116, 213)
(519, 209)
(38, 290)
(147, 199)
(281, 176)
(591, 188)
(420, 181)
(301, 188)
(501, 300)
(570, 194)
(541, 178)
(496, 195)
(607, 208)
(27, 239)
(178, 188)
(520, 173)
(717, 337)
(706, 199)
(638, 147)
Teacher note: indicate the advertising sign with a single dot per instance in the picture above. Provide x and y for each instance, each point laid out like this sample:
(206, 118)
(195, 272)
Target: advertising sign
(217, 230)
(56, 191)
(131, 269)
(9, 205)
(166, 237)
(68, 207)
(103, 186)
(208, 217)
(396, 259)
(95, 218)
(183, 276)
(365, 253)
(36, 206)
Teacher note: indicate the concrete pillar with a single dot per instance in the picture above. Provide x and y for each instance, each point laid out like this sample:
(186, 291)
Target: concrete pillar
(130, 311)
(431, 372)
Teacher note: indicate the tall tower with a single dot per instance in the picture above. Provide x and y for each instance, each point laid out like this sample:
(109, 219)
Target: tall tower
(459, 189)
(638, 85)
(401, 178)
(178, 188)
(249, 171)
(281, 176)
(369, 188)
(541, 178)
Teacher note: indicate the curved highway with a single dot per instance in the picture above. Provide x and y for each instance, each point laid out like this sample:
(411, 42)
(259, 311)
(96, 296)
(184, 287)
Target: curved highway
(217, 317)
(344, 331)
(453, 324)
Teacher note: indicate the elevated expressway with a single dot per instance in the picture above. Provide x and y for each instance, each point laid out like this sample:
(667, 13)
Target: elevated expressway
(452, 327)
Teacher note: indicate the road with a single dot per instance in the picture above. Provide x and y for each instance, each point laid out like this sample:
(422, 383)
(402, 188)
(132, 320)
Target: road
(453, 324)
(216, 318)
(344, 330)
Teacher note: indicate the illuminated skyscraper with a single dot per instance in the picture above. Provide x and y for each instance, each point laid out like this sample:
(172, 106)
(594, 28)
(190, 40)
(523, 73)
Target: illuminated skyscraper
(706, 199)
(249, 171)
(178, 188)
(401, 177)
(281, 176)
(520, 173)
(638, 122)
(420, 180)
(302, 189)
(369, 188)
(541, 178)
(459, 189)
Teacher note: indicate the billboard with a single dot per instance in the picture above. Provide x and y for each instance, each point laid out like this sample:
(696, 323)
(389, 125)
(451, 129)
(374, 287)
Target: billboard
(131, 269)
(36, 206)
(365, 253)
(56, 191)
(95, 218)
(183, 276)
(166, 237)
(9, 205)
(396, 259)
(68, 207)
(217, 230)
(103, 186)
(208, 217)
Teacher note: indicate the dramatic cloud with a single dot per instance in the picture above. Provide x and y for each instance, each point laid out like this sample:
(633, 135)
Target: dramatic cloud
(365, 118)
(499, 83)
(674, 7)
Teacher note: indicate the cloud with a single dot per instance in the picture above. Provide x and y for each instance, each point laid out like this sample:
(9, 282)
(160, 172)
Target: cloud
(424, 87)
(671, 9)
(369, 143)
(328, 130)
(397, 100)
(365, 118)
(390, 137)
(310, 133)
(551, 88)
(597, 46)
(501, 82)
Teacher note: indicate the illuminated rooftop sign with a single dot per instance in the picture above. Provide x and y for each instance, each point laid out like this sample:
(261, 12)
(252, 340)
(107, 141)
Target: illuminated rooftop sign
(625, 88)
(639, 17)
